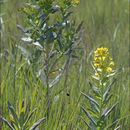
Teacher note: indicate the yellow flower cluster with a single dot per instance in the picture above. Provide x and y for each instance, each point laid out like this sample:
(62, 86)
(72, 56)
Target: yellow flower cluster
(102, 61)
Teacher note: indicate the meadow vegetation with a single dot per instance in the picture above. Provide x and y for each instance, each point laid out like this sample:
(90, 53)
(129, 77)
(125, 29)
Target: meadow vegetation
(64, 67)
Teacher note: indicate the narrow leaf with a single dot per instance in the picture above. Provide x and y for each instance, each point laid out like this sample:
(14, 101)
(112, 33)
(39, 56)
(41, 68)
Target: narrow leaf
(13, 113)
(108, 90)
(96, 90)
(89, 116)
(79, 27)
(110, 126)
(7, 123)
(86, 122)
(21, 28)
(117, 127)
(111, 109)
(91, 99)
(36, 124)
(30, 116)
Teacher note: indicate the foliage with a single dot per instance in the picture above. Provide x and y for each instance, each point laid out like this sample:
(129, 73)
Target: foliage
(20, 121)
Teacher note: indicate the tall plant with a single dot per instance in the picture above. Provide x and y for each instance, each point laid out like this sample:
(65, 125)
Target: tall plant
(54, 35)
(98, 110)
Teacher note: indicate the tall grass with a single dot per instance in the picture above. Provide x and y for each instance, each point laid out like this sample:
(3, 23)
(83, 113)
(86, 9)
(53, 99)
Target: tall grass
(105, 23)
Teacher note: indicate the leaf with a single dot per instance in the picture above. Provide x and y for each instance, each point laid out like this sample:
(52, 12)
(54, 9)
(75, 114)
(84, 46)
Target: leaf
(108, 90)
(108, 98)
(93, 113)
(110, 126)
(67, 15)
(113, 107)
(37, 44)
(7, 123)
(117, 127)
(79, 27)
(36, 124)
(91, 99)
(24, 51)
(30, 116)
(95, 90)
(21, 119)
(89, 116)
(27, 39)
(60, 44)
(104, 112)
(27, 112)
(21, 28)
(13, 113)
(21, 110)
(53, 82)
(62, 4)
(86, 123)
(95, 77)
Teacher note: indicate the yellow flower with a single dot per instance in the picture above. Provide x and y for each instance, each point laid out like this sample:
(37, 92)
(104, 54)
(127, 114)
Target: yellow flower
(103, 58)
(109, 69)
(96, 64)
(96, 74)
(111, 63)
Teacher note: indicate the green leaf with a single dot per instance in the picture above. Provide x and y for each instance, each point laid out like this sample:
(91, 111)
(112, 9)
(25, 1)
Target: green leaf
(112, 108)
(96, 90)
(89, 116)
(21, 119)
(14, 114)
(93, 113)
(91, 99)
(117, 127)
(112, 125)
(104, 112)
(30, 116)
(24, 51)
(27, 112)
(62, 4)
(108, 90)
(53, 82)
(7, 123)
(86, 123)
(21, 28)
(36, 124)
(79, 27)
(107, 99)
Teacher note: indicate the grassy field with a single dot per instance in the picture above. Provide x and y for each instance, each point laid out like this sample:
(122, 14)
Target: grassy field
(106, 23)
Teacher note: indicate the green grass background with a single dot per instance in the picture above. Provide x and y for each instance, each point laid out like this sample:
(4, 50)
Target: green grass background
(106, 22)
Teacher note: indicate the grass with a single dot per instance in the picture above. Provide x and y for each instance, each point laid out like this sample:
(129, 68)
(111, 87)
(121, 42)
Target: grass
(105, 23)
